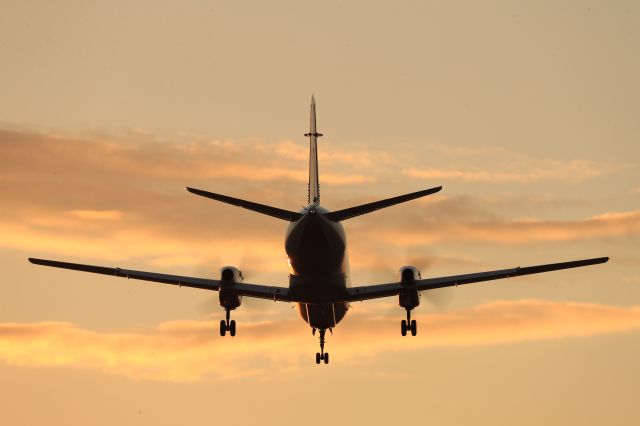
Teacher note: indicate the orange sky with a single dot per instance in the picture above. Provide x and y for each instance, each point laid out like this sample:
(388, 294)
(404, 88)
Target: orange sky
(525, 113)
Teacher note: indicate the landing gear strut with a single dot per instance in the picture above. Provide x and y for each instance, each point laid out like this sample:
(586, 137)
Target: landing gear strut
(228, 325)
(409, 325)
(322, 355)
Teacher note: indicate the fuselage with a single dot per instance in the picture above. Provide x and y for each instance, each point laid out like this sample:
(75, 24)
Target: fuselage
(318, 267)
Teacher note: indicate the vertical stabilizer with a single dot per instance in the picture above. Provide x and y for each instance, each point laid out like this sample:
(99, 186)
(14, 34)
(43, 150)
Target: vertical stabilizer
(314, 184)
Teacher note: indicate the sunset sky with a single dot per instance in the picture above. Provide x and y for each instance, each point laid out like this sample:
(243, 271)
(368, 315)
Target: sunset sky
(526, 112)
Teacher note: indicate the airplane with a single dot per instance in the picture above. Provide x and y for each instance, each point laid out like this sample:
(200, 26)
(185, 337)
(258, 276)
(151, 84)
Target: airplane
(319, 277)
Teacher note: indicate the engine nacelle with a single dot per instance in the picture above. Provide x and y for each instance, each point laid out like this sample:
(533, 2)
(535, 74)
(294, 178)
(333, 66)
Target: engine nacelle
(229, 276)
(409, 297)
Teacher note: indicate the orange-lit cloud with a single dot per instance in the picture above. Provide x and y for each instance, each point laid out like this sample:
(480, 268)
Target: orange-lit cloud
(144, 235)
(120, 200)
(189, 350)
(62, 157)
(97, 214)
(425, 229)
(332, 156)
(574, 171)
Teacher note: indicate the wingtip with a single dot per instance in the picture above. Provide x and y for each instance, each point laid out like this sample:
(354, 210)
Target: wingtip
(597, 260)
(433, 190)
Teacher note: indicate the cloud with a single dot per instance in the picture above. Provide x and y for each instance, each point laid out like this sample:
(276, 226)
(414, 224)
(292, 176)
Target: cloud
(498, 165)
(97, 214)
(333, 157)
(524, 172)
(183, 158)
(184, 351)
(461, 219)
(125, 199)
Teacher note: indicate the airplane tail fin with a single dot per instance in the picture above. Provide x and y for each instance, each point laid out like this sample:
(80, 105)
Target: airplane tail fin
(313, 135)
(339, 215)
(249, 205)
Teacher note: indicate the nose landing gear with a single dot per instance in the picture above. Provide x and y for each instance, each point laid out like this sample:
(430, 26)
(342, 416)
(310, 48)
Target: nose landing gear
(409, 325)
(322, 355)
(228, 325)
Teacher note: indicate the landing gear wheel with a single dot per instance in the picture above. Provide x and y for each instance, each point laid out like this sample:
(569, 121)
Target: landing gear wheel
(322, 355)
(232, 328)
(223, 327)
(403, 327)
(414, 327)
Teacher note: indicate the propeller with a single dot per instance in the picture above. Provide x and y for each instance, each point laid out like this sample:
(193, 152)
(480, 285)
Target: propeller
(440, 298)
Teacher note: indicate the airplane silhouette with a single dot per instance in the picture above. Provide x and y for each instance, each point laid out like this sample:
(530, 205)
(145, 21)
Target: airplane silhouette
(319, 279)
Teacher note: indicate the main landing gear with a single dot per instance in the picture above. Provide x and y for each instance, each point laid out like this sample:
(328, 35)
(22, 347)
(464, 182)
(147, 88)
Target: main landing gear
(322, 355)
(228, 325)
(409, 325)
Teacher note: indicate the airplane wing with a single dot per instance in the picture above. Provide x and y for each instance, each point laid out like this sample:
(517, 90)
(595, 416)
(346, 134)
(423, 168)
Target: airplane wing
(384, 290)
(242, 289)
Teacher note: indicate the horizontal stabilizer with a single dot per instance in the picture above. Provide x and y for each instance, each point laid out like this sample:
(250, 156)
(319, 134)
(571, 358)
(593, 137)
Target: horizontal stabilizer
(260, 208)
(339, 215)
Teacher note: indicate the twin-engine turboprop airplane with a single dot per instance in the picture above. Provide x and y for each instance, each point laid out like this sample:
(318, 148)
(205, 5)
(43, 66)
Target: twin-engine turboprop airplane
(316, 246)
